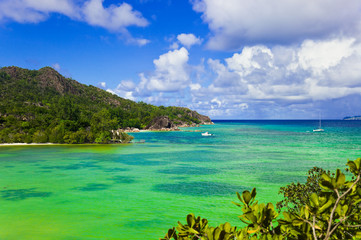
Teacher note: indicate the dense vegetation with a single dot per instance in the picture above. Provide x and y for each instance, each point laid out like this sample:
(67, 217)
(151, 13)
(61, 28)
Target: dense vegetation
(326, 207)
(43, 106)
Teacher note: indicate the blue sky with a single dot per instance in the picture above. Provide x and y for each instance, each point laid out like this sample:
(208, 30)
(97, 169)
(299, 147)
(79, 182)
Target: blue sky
(230, 59)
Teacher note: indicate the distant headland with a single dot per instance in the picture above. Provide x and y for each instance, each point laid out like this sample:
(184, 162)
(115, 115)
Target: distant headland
(42, 106)
(352, 118)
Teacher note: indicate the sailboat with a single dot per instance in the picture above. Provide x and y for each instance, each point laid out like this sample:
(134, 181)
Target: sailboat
(319, 129)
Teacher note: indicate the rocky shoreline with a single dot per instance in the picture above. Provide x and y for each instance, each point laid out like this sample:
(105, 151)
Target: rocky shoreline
(164, 124)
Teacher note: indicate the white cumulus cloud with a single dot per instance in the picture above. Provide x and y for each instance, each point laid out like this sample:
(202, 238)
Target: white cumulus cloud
(171, 72)
(188, 40)
(264, 82)
(115, 17)
(34, 11)
(234, 23)
(319, 56)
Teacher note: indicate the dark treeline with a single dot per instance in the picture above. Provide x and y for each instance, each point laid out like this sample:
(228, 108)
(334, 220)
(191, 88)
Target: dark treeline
(43, 106)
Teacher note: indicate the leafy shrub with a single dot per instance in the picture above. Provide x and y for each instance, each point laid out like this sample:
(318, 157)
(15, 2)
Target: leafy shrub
(329, 209)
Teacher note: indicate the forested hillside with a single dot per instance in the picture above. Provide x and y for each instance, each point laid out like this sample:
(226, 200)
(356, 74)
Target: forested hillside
(43, 106)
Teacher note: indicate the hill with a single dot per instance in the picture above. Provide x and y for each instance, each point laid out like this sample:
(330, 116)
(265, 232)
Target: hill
(44, 106)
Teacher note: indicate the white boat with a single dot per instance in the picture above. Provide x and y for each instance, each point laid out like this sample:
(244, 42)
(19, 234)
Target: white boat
(206, 134)
(319, 129)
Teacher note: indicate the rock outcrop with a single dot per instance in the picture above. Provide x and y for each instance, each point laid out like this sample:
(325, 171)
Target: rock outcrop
(159, 123)
(202, 118)
(163, 123)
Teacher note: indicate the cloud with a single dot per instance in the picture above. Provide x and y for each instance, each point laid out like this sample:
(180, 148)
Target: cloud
(195, 86)
(34, 11)
(188, 40)
(114, 18)
(129, 39)
(126, 85)
(174, 45)
(279, 82)
(226, 81)
(122, 93)
(171, 75)
(234, 23)
(296, 81)
(102, 85)
(171, 72)
(56, 66)
(319, 56)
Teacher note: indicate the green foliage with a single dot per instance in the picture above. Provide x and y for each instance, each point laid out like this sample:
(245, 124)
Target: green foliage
(125, 138)
(40, 106)
(330, 210)
(40, 137)
(296, 194)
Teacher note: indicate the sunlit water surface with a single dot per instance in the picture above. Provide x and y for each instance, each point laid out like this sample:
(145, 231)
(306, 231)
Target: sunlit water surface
(138, 191)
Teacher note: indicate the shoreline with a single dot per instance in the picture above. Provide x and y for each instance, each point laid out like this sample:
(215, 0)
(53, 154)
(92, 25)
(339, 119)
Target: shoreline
(25, 144)
(126, 131)
(165, 129)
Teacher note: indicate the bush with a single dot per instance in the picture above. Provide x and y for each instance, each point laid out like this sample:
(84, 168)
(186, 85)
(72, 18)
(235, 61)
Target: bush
(125, 138)
(40, 137)
(329, 209)
(103, 137)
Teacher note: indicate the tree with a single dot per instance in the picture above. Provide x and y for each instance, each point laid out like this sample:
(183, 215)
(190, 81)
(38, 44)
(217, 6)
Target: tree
(40, 137)
(330, 212)
(294, 193)
(101, 122)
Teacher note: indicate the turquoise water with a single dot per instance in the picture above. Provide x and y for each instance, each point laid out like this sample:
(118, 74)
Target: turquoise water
(138, 191)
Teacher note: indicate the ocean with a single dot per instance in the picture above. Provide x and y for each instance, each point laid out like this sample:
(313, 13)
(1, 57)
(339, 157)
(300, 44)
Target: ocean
(137, 191)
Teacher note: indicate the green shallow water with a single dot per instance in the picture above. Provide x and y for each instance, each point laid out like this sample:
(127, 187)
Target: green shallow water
(138, 191)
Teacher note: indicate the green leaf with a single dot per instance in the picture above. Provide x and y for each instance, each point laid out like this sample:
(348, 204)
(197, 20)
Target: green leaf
(340, 178)
(246, 195)
(239, 197)
(297, 222)
(339, 210)
(250, 216)
(191, 230)
(328, 204)
(352, 166)
(358, 163)
(326, 177)
(326, 185)
(253, 193)
(314, 200)
(227, 227)
(287, 216)
(306, 212)
(190, 220)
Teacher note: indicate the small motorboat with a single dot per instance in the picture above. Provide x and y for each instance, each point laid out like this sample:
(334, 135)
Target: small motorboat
(206, 134)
